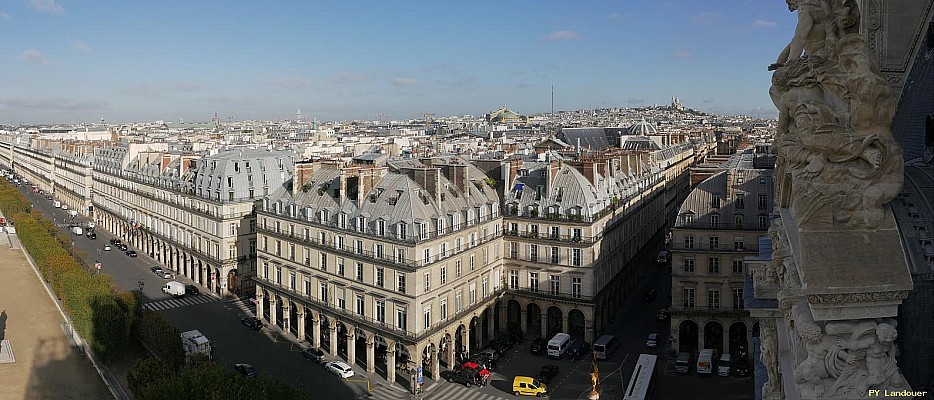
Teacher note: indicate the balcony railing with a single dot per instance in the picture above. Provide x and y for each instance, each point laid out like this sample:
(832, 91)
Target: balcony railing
(549, 236)
(547, 294)
(718, 248)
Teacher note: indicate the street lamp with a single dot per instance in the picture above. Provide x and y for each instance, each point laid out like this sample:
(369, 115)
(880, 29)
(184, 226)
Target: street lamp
(141, 284)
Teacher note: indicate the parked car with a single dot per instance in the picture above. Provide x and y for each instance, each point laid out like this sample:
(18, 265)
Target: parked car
(340, 369)
(131, 253)
(463, 377)
(246, 370)
(122, 246)
(165, 274)
(192, 289)
(662, 314)
(481, 362)
(115, 241)
(92, 235)
(315, 354)
(537, 346)
(725, 365)
(547, 373)
(492, 354)
(106, 247)
(252, 323)
(577, 350)
(156, 269)
(741, 367)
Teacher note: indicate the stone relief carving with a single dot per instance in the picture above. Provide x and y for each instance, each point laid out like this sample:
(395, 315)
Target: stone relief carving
(847, 358)
(835, 109)
(768, 355)
(858, 297)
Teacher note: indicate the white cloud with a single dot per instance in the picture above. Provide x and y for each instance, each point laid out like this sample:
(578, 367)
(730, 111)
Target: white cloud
(80, 46)
(563, 35)
(761, 23)
(403, 82)
(33, 56)
(49, 6)
(708, 17)
(683, 54)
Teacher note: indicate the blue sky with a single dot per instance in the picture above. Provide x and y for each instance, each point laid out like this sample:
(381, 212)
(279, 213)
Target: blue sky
(65, 61)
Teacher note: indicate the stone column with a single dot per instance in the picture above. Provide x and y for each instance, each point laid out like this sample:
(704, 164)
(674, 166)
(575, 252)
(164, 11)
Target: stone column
(259, 302)
(286, 316)
(543, 324)
(370, 353)
(490, 326)
(333, 338)
(390, 361)
(467, 338)
(301, 323)
(273, 310)
(351, 346)
(700, 336)
(449, 353)
(435, 364)
(315, 330)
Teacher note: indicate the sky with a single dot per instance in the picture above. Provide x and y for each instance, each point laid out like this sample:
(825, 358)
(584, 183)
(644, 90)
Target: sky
(65, 61)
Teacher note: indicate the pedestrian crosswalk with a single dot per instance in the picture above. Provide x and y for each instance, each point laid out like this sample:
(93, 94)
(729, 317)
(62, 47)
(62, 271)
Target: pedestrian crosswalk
(440, 391)
(179, 302)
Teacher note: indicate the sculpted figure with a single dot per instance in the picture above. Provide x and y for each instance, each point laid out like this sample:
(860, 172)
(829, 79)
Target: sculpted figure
(812, 370)
(768, 348)
(810, 33)
(880, 360)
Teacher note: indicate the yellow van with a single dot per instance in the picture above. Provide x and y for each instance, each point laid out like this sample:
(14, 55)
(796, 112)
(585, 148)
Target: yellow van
(523, 385)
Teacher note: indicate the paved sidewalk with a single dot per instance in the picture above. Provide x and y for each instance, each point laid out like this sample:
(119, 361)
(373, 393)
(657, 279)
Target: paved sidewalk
(46, 366)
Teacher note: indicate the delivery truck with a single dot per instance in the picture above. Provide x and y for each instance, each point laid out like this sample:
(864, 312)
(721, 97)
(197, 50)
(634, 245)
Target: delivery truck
(174, 288)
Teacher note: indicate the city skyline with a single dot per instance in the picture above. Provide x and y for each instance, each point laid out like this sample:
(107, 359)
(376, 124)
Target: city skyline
(371, 60)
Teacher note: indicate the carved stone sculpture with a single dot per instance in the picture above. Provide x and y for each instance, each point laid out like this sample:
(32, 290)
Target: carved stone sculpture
(837, 159)
(768, 349)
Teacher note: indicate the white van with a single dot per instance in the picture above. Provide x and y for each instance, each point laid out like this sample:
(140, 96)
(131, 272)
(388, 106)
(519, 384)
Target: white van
(725, 365)
(77, 230)
(174, 288)
(57, 204)
(558, 345)
(604, 347)
(705, 361)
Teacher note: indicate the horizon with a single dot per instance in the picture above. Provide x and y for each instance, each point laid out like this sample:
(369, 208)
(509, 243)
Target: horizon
(369, 60)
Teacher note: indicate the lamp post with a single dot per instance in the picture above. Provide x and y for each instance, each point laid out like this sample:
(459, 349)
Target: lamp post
(141, 284)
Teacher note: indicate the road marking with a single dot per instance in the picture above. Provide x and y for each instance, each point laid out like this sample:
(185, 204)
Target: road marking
(176, 303)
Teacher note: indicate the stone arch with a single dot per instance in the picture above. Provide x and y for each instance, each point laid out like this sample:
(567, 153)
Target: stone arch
(216, 281)
(293, 318)
(713, 336)
(555, 320)
(233, 281)
(341, 339)
(359, 339)
(514, 315)
(279, 314)
(460, 345)
(687, 336)
(496, 316)
(534, 321)
(474, 330)
(324, 333)
(738, 344)
(576, 323)
(485, 327)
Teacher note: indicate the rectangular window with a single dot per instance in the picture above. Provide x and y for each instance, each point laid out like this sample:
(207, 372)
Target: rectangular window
(444, 274)
(380, 312)
(739, 244)
(555, 285)
(737, 267)
(763, 221)
(715, 221)
(689, 242)
(379, 276)
(278, 275)
(291, 280)
(341, 301)
(513, 279)
(340, 266)
(324, 261)
(472, 263)
(576, 257)
(763, 202)
(307, 283)
(553, 257)
(533, 253)
(555, 232)
(400, 256)
(324, 292)
(444, 309)
(713, 266)
(533, 281)
(513, 250)
(360, 304)
(486, 286)
(400, 287)
(714, 242)
(358, 246)
(473, 293)
(401, 317)
(427, 282)
(378, 250)
(740, 201)
(738, 299)
(458, 301)
(360, 271)
(457, 268)
(427, 317)
(713, 299)
(427, 256)
(689, 265)
(576, 287)
(576, 234)
(687, 300)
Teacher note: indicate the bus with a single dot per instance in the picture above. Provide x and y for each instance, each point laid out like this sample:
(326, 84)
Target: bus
(643, 378)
